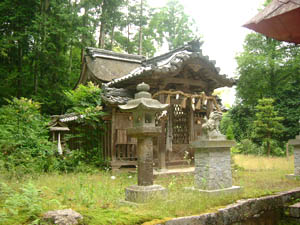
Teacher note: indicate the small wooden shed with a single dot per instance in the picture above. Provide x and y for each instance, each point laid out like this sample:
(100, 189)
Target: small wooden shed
(183, 78)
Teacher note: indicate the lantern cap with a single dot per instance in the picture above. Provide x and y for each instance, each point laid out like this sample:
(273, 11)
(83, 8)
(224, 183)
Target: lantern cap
(143, 100)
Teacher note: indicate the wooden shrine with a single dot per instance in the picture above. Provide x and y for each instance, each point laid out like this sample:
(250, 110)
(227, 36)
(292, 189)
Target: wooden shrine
(183, 78)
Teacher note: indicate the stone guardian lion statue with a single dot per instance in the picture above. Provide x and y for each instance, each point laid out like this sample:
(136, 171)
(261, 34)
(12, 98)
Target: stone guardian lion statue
(210, 128)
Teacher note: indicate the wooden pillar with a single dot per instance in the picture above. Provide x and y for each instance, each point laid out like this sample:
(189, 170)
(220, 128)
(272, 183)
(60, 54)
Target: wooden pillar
(162, 147)
(113, 132)
(209, 104)
(191, 121)
(162, 141)
(169, 138)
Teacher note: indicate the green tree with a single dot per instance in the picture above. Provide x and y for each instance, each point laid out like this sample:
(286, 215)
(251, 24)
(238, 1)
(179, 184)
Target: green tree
(174, 25)
(267, 69)
(267, 123)
(38, 45)
(242, 117)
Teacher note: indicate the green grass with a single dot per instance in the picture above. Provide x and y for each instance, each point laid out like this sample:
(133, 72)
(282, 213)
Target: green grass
(97, 196)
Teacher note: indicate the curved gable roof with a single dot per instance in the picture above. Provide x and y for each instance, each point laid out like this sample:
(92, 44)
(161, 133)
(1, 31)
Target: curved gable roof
(169, 65)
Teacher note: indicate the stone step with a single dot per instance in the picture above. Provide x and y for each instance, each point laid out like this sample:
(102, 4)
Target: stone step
(294, 210)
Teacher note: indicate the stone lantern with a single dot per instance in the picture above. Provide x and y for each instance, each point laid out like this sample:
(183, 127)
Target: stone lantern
(144, 108)
(296, 143)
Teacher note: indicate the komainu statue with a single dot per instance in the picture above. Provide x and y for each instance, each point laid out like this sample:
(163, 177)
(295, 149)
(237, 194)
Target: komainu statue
(210, 128)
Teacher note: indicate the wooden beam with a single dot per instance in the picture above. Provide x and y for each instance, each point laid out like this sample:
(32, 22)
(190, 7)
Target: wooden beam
(184, 82)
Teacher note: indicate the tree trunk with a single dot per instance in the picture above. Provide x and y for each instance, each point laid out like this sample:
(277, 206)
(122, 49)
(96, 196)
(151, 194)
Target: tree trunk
(35, 80)
(102, 26)
(19, 76)
(70, 62)
(128, 27)
(112, 38)
(269, 148)
(102, 34)
(84, 22)
(141, 31)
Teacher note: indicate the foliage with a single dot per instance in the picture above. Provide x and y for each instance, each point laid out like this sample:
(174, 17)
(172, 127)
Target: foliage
(246, 147)
(42, 42)
(242, 117)
(23, 205)
(38, 46)
(173, 24)
(267, 69)
(85, 102)
(24, 144)
(226, 126)
(267, 123)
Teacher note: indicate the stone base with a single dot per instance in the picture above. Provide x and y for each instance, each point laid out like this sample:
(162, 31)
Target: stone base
(142, 194)
(224, 191)
(292, 177)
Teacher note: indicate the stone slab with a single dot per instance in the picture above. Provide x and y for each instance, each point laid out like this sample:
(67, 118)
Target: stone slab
(292, 177)
(224, 191)
(295, 142)
(204, 144)
(294, 210)
(142, 194)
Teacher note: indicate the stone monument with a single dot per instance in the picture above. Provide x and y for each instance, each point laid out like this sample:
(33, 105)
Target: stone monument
(296, 143)
(213, 159)
(143, 108)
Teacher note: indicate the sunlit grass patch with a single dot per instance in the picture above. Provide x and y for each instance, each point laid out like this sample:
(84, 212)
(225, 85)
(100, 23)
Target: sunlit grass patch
(256, 163)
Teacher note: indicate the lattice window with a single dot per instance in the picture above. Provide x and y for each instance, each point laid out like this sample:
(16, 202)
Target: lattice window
(180, 125)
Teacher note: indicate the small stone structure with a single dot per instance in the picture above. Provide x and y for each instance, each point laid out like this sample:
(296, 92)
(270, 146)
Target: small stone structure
(143, 108)
(212, 159)
(294, 210)
(62, 217)
(296, 143)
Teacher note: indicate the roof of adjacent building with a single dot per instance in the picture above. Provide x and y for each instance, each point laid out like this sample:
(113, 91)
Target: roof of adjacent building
(102, 65)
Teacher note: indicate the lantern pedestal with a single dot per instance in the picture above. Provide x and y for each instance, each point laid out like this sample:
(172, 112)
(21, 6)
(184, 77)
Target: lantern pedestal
(296, 143)
(213, 167)
(142, 194)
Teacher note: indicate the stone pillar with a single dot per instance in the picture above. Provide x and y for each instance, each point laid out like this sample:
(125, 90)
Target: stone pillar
(296, 143)
(213, 164)
(145, 161)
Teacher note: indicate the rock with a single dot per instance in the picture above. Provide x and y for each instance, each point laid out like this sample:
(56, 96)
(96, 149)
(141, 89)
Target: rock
(63, 217)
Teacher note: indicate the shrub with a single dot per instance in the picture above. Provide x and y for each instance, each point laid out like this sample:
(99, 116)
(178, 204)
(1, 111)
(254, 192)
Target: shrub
(24, 141)
(246, 146)
(86, 101)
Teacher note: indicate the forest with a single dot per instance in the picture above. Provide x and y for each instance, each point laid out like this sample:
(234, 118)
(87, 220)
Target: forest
(42, 42)
(42, 45)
